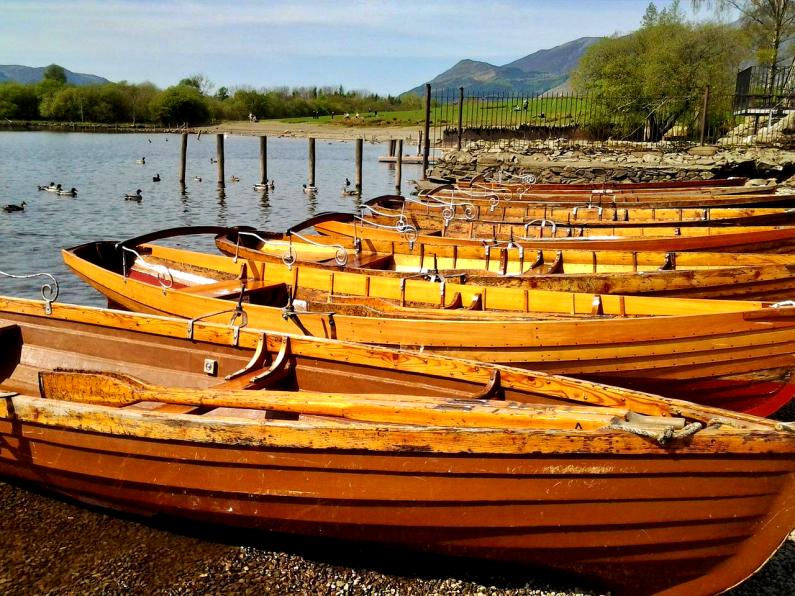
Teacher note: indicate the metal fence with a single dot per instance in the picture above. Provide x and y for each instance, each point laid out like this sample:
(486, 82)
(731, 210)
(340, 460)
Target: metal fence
(459, 117)
(765, 88)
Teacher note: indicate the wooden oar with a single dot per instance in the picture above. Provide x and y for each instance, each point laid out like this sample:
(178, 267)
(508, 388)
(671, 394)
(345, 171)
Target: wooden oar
(121, 390)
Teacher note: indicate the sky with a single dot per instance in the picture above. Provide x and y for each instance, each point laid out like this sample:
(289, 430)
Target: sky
(386, 46)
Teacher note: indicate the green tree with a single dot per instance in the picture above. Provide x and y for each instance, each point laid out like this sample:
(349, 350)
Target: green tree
(198, 81)
(18, 101)
(222, 94)
(180, 104)
(768, 23)
(652, 78)
(55, 73)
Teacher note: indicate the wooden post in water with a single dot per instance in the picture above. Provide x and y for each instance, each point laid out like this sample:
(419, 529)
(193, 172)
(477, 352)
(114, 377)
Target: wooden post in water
(183, 155)
(419, 143)
(358, 179)
(392, 146)
(704, 109)
(426, 149)
(263, 160)
(460, 115)
(311, 173)
(219, 154)
(398, 165)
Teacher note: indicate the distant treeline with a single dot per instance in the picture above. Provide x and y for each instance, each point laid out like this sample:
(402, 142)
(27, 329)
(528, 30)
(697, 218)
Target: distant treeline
(188, 102)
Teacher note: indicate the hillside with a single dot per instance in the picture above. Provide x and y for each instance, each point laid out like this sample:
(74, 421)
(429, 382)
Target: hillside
(535, 73)
(33, 74)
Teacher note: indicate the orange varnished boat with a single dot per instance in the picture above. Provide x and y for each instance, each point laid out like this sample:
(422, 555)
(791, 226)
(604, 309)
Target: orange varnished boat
(583, 215)
(637, 493)
(486, 180)
(541, 235)
(761, 196)
(734, 354)
(748, 276)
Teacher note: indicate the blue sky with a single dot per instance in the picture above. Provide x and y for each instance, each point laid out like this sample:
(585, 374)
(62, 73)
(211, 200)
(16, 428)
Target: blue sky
(382, 46)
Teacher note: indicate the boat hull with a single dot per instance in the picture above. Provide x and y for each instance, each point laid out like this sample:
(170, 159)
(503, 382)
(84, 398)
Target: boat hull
(752, 350)
(638, 524)
(742, 276)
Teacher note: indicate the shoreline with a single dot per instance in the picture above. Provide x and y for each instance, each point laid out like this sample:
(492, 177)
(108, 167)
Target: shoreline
(271, 128)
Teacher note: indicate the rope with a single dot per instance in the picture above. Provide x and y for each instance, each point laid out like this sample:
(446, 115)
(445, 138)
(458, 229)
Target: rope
(662, 436)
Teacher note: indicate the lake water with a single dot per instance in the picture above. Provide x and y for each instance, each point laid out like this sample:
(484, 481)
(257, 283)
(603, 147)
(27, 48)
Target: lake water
(103, 168)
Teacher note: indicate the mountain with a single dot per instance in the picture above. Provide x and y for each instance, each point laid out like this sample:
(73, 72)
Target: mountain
(560, 59)
(535, 73)
(33, 74)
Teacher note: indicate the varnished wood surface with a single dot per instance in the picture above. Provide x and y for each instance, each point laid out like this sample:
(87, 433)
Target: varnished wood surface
(587, 215)
(700, 275)
(729, 343)
(487, 181)
(730, 239)
(390, 446)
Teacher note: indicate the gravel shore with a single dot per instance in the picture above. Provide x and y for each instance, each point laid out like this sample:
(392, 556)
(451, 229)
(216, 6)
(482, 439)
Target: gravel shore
(53, 546)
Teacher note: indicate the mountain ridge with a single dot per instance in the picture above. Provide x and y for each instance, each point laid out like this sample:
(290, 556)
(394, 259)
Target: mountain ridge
(537, 72)
(33, 74)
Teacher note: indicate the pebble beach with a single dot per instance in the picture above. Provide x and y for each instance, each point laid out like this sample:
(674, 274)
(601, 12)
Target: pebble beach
(55, 546)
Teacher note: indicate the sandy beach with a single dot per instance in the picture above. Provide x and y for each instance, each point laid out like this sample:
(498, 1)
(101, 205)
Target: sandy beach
(278, 128)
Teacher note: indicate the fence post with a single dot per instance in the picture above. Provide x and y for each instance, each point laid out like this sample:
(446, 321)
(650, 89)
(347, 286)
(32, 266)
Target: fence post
(183, 154)
(398, 164)
(358, 158)
(263, 160)
(704, 109)
(460, 115)
(427, 146)
(311, 172)
(219, 151)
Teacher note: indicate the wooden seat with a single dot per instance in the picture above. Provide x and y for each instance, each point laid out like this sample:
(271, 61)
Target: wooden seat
(372, 261)
(228, 288)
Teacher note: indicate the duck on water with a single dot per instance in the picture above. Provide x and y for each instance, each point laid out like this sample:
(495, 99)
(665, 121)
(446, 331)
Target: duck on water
(137, 197)
(12, 208)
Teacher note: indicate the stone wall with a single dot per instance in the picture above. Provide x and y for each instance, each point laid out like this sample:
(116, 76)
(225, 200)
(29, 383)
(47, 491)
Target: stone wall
(562, 161)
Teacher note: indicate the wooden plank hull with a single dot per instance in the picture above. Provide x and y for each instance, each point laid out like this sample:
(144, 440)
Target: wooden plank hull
(481, 181)
(595, 499)
(777, 240)
(584, 215)
(738, 343)
(633, 524)
(694, 275)
(761, 197)
(541, 229)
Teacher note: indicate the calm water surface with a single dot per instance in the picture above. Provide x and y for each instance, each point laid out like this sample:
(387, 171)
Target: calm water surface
(103, 168)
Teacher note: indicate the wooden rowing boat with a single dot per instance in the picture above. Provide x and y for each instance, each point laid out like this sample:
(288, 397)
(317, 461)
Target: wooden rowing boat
(546, 236)
(745, 276)
(583, 215)
(758, 197)
(734, 354)
(482, 180)
(540, 228)
(634, 492)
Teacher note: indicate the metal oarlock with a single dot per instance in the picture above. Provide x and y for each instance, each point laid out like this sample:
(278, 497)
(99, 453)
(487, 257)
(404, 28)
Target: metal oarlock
(49, 291)
(163, 273)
